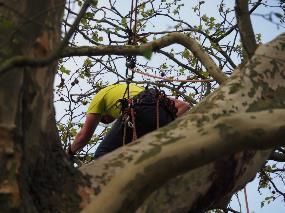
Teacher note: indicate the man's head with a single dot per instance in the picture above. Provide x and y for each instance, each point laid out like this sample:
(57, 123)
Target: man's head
(107, 119)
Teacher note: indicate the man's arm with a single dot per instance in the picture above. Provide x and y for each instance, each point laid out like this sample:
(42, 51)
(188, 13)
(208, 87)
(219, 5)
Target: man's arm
(85, 133)
(181, 106)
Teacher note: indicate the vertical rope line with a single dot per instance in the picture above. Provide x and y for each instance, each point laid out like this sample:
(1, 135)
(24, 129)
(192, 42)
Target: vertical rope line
(246, 201)
(157, 113)
(124, 133)
(134, 124)
(128, 88)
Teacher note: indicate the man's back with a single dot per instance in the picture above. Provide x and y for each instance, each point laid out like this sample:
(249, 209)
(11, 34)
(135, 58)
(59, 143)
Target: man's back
(106, 100)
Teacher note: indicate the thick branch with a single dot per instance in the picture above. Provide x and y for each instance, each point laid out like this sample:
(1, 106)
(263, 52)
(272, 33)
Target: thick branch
(224, 136)
(245, 27)
(172, 38)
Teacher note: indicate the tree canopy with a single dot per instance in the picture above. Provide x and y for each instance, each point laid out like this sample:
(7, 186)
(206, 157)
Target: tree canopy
(206, 53)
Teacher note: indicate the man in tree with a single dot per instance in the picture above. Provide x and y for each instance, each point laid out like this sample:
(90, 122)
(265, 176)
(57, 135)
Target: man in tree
(137, 110)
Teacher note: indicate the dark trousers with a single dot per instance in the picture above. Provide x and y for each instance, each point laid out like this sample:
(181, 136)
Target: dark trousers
(145, 120)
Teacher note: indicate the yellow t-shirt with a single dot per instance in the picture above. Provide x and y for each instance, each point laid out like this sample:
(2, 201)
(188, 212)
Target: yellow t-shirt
(105, 102)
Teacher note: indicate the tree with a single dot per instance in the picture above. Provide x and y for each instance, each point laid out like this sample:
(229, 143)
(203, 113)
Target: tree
(180, 167)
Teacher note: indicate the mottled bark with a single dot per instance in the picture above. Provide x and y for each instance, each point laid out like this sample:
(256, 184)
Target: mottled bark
(167, 163)
(34, 175)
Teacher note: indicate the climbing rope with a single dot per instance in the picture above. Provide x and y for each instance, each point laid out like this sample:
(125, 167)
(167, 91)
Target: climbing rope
(129, 119)
(157, 112)
(131, 60)
(159, 96)
(133, 123)
(169, 79)
(125, 131)
(246, 201)
(128, 107)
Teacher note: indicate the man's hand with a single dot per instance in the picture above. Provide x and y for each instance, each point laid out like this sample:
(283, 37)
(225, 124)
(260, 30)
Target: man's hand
(181, 106)
(70, 154)
(72, 158)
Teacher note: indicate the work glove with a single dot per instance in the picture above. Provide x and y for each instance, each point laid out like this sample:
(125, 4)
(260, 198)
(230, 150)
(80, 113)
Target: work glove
(72, 158)
(70, 154)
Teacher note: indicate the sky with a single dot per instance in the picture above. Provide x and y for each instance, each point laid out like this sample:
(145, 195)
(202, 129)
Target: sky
(268, 31)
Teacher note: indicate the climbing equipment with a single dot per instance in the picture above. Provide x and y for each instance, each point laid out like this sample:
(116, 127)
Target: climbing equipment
(131, 60)
(147, 97)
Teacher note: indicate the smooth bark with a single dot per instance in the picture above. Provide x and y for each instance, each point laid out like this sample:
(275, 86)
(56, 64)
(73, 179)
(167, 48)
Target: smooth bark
(34, 173)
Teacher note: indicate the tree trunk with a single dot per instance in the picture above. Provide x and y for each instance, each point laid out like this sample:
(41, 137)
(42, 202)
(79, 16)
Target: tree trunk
(34, 175)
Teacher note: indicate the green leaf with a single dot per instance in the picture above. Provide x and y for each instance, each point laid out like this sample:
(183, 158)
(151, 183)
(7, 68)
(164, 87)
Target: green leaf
(163, 66)
(124, 21)
(205, 74)
(94, 3)
(186, 53)
(258, 37)
(147, 54)
(95, 36)
(73, 132)
(89, 15)
(212, 19)
(64, 70)
(87, 62)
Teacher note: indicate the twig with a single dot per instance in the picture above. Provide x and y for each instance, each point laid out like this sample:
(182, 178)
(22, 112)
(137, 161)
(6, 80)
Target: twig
(180, 64)
(235, 26)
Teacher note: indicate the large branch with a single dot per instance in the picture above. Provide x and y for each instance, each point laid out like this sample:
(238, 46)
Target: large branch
(245, 27)
(257, 130)
(172, 38)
